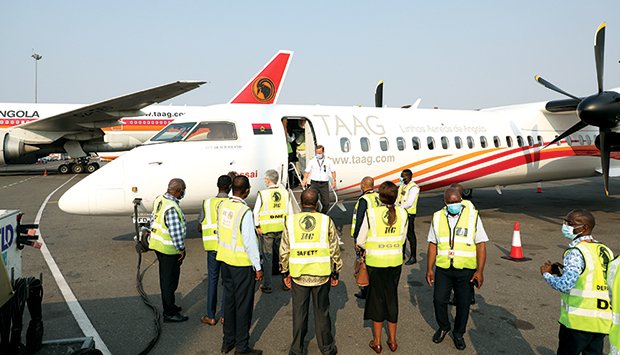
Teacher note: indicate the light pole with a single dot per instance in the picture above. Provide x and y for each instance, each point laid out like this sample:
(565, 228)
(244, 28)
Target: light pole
(37, 58)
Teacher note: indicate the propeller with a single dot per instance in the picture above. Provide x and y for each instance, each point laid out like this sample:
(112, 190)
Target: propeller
(601, 110)
(379, 95)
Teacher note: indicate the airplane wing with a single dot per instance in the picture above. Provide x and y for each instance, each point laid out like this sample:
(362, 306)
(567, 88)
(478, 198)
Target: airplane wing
(107, 113)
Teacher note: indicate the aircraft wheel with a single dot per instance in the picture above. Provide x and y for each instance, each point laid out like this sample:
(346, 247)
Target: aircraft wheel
(92, 167)
(63, 169)
(77, 168)
(468, 193)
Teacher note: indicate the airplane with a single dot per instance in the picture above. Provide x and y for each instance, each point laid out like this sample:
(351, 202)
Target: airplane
(32, 131)
(478, 148)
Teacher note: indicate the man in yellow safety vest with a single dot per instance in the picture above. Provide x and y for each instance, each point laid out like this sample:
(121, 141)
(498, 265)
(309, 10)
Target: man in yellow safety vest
(585, 312)
(408, 193)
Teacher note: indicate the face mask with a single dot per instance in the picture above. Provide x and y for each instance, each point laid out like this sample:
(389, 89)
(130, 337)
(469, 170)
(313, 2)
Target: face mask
(182, 195)
(454, 208)
(568, 232)
(402, 180)
(319, 156)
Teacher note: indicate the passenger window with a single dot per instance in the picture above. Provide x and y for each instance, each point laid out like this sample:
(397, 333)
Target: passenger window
(483, 141)
(345, 145)
(431, 143)
(365, 143)
(588, 140)
(520, 141)
(581, 140)
(458, 143)
(174, 132)
(400, 143)
(444, 142)
(213, 131)
(540, 141)
(569, 140)
(415, 141)
(530, 141)
(497, 142)
(383, 143)
(508, 141)
(470, 142)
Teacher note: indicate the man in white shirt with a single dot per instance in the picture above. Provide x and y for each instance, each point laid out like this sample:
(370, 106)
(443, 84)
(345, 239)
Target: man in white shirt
(319, 171)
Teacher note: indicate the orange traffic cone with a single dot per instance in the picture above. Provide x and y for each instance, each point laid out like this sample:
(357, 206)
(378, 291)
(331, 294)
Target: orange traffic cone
(539, 188)
(45, 172)
(516, 251)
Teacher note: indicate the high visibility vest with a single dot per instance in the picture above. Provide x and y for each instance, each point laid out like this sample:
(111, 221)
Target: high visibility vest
(462, 253)
(309, 244)
(209, 222)
(613, 281)
(468, 204)
(301, 148)
(384, 244)
(273, 209)
(403, 193)
(586, 307)
(160, 239)
(372, 201)
(230, 248)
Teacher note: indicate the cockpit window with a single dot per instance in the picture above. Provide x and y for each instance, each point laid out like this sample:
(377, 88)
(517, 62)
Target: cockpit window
(213, 131)
(173, 132)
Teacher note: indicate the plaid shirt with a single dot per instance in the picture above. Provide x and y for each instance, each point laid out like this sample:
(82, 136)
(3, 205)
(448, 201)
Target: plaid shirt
(176, 224)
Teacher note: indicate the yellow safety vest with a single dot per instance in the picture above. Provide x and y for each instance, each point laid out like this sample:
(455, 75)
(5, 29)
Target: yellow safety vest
(309, 244)
(160, 239)
(462, 253)
(586, 307)
(613, 281)
(273, 209)
(403, 192)
(384, 244)
(230, 248)
(209, 222)
(372, 200)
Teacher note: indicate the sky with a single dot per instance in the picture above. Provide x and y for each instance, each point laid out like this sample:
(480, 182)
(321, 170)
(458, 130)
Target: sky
(451, 54)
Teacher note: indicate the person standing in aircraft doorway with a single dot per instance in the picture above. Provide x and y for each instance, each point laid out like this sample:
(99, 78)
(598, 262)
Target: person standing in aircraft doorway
(300, 140)
(319, 170)
(408, 193)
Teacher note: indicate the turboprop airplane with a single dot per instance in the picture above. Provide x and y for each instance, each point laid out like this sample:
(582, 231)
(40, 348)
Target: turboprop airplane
(491, 147)
(32, 131)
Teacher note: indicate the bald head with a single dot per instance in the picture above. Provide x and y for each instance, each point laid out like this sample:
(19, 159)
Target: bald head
(367, 183)
(452, 195)
(458, 187)
(176, 185)
(581, 217)
(309, 198)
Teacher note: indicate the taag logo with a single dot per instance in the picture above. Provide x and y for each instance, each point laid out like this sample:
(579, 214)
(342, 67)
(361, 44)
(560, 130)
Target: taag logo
(263, 89)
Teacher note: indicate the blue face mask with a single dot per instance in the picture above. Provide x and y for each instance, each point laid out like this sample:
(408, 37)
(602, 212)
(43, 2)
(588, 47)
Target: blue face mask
(568, 232)
(402, 180)
(454, 208)
(319, 156)
(182, 195)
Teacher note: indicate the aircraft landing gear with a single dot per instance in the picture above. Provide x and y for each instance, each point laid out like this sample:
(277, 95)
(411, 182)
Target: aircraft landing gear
(468, 193)
(79, 166)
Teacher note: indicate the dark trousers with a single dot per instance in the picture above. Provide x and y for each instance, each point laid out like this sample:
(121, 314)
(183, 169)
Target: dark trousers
(322, 321)
(413, 241)
(447, 280)
(268, 241)
(239, 286)
(579, 342)
(323, 189)
(213, 279)
(169, 273)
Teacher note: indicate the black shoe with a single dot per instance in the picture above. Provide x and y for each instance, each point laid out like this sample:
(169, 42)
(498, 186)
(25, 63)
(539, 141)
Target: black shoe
(178, 308)
(459, 342)
(412, 260)
(176, 318)
(360, 295)
(227, 348)
(439, 335)
(250, 352)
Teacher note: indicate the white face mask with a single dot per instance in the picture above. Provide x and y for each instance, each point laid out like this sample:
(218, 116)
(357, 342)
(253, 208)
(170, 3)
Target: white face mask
(568, 232)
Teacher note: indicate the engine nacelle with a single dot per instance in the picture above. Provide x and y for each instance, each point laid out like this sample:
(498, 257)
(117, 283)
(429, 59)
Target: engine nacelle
(13, 149)
(614, 142)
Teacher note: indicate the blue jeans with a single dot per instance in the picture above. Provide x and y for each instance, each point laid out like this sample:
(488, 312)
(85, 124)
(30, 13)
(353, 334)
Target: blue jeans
(213, 266)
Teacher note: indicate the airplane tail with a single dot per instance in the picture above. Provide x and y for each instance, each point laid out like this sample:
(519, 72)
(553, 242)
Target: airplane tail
(264, 87)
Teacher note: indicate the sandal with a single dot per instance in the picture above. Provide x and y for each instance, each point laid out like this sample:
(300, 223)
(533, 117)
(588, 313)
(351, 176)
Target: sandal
(393, 346)
(376, 347)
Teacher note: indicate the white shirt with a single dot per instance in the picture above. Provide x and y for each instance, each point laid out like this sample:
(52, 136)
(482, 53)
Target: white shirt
(481, 234)
(320, 169)
(411, 196)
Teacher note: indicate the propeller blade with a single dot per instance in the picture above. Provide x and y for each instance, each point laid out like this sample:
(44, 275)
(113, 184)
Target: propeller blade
(579, 125)
(379, 95)
(599, 54)
(605, 146)
(548, 85)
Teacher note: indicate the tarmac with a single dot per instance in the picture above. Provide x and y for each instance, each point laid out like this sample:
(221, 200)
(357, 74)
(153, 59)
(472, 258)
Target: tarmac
(516, 312)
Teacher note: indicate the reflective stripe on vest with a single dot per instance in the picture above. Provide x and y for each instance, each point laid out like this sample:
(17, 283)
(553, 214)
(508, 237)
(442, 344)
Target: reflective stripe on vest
(160, 239)
(230, 248)
(586, 307)
(384, 244)
(273, 209)
(372, 200)
(403, 194)
(462, 254)
(209, 222)
(612, 275)
(309, 244)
